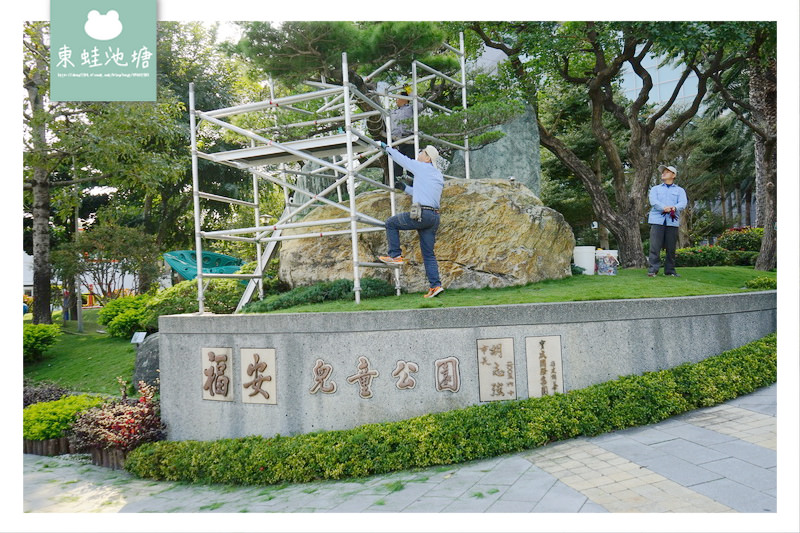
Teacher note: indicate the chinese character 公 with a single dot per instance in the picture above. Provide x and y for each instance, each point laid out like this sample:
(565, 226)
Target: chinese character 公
(402, 371)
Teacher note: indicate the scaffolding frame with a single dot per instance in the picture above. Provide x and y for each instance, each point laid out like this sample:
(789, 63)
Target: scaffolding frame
(266, 160)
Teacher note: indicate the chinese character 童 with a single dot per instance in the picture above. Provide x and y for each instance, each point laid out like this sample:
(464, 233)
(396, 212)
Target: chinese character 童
(363, 377)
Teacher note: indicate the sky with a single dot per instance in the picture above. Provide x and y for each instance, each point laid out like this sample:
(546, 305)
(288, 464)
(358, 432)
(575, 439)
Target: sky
(787, 13)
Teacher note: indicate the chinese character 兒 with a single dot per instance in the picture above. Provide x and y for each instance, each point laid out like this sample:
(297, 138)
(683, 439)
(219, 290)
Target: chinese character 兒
(64, 55)
(403, 372)
(256, 369)
(363, 377)
(322, 371)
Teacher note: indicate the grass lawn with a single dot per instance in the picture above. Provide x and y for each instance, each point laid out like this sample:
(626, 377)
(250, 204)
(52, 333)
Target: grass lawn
(88, 361)
(628, 283)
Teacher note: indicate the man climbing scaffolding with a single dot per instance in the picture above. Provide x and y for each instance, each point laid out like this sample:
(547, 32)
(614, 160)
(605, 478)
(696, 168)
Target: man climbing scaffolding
(425, 195)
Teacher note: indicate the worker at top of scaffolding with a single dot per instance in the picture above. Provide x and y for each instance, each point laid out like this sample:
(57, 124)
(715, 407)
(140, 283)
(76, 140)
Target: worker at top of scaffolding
(401, 128)
(424, 215)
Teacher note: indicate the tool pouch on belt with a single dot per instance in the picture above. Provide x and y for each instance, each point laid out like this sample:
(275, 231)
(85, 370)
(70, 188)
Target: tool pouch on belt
(416, 212)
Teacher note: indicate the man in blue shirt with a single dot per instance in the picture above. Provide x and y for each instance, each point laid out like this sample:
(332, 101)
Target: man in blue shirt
(427, 193)
(667, 201)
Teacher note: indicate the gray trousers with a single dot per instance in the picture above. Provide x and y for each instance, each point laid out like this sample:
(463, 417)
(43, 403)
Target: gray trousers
(662, 236)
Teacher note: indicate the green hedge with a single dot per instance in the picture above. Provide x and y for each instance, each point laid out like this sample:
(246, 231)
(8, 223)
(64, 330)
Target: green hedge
(49, 420)
(36, 339)
(466, 434)
(220, 296)
(745, 239)
(341, 289)
(762, 283)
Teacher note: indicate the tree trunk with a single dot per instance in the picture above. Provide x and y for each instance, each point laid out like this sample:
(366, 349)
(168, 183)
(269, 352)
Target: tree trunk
(763, 96)
(41, 248)
(36, 85)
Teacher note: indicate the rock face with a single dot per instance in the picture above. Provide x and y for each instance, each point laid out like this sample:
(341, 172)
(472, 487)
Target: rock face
(516, 154)
(493, 233)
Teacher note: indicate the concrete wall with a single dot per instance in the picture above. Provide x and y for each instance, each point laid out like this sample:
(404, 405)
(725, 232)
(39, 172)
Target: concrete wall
(599, 341)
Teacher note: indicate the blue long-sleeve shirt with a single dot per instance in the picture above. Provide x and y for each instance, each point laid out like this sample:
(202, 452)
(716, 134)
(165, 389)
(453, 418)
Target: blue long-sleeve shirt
(660, 197)
(428, 181)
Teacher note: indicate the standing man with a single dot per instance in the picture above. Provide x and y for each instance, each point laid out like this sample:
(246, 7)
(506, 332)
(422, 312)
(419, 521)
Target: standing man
(667, 201)
(400, 129)
(424, 216)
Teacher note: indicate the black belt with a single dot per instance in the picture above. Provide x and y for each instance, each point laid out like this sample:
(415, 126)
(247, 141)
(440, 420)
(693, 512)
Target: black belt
(430, 208)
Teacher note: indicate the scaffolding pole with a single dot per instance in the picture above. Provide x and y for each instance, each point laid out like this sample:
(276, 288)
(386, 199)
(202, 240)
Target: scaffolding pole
(198, 241)
(347, 170)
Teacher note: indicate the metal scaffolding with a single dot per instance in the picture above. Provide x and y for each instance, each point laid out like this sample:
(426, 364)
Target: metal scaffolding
(350, 152)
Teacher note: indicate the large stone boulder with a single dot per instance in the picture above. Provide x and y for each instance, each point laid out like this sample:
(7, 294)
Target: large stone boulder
(493, 233)
(516, 154)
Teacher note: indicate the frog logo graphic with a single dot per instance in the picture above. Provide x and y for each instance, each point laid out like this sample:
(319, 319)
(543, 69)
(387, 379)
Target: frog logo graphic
(103, 27)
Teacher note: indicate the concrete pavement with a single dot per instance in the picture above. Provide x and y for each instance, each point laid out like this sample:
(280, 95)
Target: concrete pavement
(720, 459)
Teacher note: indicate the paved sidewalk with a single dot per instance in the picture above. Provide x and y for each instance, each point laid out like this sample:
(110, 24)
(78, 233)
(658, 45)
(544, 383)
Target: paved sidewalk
(718, 459)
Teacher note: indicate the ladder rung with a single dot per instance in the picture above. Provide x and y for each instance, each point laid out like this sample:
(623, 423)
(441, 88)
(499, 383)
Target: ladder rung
(209, 196)
(378, 265)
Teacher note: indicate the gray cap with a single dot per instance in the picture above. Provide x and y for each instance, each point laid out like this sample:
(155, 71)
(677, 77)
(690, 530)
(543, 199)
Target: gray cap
(668, 167)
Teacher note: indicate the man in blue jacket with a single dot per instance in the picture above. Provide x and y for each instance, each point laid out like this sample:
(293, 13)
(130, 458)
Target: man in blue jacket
(426, 193)
(668, 201)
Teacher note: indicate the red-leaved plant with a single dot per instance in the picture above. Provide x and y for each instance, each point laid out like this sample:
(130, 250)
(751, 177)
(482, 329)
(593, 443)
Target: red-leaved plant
(122, 424)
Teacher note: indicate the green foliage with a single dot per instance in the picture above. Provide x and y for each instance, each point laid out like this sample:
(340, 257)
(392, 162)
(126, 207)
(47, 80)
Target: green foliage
(49, 420)
(701, 256)
(341, 289)
(465, 434)
(762, 283)
(128, 322)
(221, 297)
(36, 339)
(745, 239)
(116, 307)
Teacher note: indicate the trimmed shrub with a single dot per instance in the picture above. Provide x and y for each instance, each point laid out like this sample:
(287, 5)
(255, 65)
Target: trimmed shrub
(744, 239)
(762, 283)
(128, 322)
(740, 258)
(44, 391)
(700, 256)
(341, 289)
(49, 420)
(36, 339)
(465, 434)
(221, 297)
(118, 306)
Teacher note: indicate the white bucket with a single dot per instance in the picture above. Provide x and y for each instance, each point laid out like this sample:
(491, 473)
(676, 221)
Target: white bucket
(607, 262)
(584, 258)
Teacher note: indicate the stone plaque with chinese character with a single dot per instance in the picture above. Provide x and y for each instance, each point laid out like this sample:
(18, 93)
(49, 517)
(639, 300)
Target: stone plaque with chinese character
(258, 375)
(217, 371)
(545, 376)
(496, 372)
